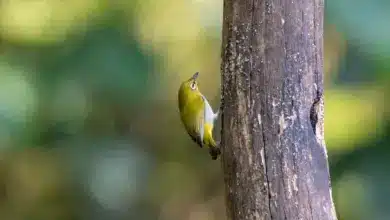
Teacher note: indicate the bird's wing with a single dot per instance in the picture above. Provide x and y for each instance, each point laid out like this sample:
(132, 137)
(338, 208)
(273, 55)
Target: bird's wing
(195, 127)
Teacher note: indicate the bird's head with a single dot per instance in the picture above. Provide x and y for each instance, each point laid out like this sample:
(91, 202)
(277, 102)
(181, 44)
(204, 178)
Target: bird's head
(189, 90)
(191, 84)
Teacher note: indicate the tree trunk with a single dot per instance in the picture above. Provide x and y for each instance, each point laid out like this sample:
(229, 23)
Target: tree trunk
(274, 155)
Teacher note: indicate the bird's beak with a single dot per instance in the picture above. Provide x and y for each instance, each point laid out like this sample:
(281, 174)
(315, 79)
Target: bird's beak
(195, 76)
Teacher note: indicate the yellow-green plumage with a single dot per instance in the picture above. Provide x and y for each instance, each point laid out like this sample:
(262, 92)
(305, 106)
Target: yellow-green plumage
(197, 115)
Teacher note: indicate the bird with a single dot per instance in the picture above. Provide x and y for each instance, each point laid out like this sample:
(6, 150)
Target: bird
(197, 115)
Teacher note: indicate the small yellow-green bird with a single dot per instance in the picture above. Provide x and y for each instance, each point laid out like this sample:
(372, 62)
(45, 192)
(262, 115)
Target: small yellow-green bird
(197, 115)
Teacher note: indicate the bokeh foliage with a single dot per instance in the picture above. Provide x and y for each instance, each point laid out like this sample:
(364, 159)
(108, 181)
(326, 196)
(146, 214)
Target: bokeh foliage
(89, 127)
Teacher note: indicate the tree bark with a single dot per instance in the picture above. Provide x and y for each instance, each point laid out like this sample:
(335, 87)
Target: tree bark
(273, 150)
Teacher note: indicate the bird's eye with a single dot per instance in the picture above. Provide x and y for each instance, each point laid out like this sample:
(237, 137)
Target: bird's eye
(193, 86)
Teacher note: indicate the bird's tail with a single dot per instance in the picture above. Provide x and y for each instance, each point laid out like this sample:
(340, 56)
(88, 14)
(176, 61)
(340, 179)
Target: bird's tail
(214, 150)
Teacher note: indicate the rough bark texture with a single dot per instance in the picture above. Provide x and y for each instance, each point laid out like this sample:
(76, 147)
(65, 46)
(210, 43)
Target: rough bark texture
(274, 156)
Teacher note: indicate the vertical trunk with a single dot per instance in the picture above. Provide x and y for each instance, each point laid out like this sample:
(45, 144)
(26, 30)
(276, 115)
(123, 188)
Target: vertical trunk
(274, 155)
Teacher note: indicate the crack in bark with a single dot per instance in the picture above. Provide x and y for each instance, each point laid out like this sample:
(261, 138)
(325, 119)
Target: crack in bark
(253, 36)
(314, 114)
(266, 170)
(262, 113)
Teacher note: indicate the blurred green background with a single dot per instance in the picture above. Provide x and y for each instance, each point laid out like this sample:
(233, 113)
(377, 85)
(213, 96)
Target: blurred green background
(89, 125)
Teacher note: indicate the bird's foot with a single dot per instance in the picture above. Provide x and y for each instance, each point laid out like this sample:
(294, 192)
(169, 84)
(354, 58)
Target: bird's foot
(214, 152)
